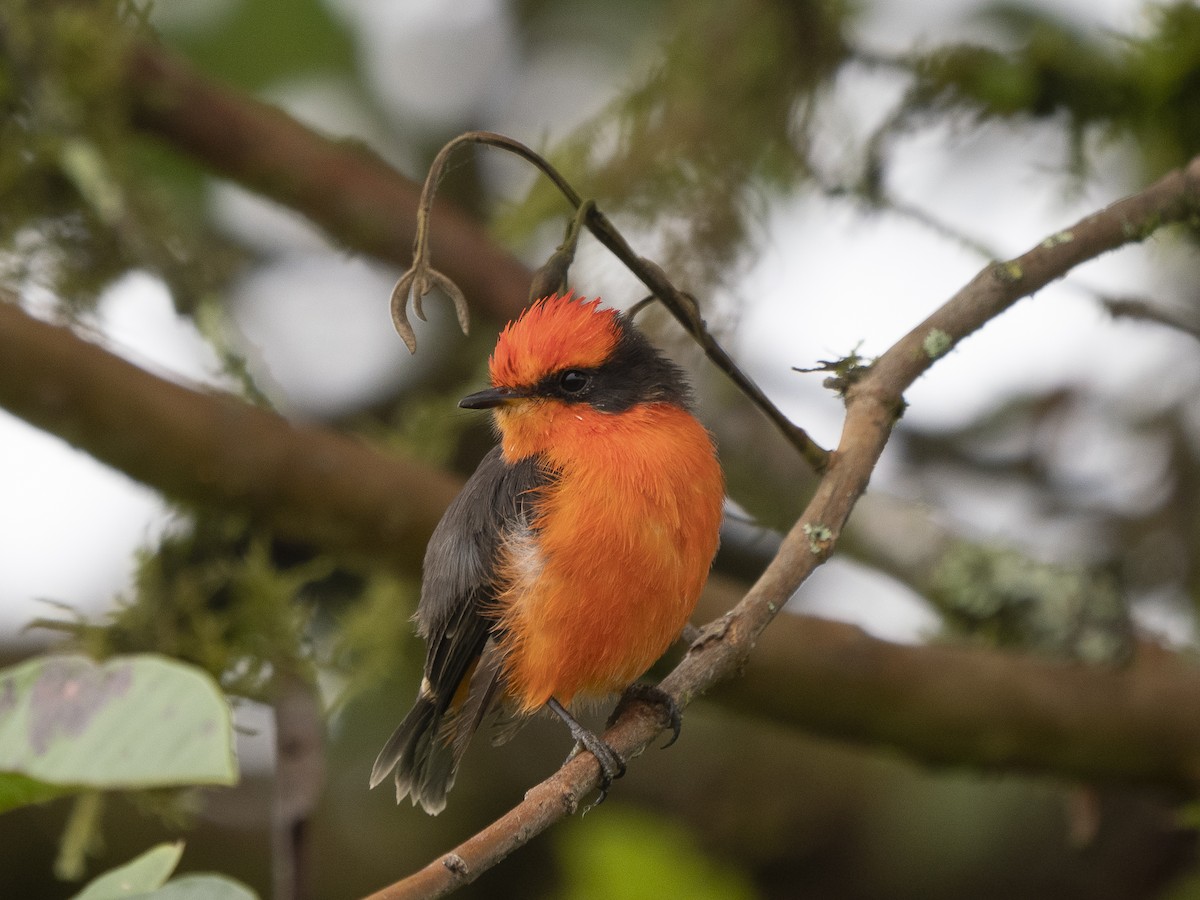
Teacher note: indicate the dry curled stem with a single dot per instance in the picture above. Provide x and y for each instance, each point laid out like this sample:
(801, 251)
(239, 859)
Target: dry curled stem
(551, 278)
(415, 284)
(422, 277)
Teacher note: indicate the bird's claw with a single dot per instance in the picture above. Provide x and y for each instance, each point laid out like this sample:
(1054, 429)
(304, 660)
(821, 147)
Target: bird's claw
(656, 696)
(612, 766)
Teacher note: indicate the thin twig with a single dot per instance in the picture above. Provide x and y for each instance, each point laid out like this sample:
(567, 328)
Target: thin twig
(686, 311)
(941, 228)
(1145, 311)
(873, 404)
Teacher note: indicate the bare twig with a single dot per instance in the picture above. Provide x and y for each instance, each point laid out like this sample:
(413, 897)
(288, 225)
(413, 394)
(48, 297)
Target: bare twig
(1143, 310)
(873, 404)
(941, 228)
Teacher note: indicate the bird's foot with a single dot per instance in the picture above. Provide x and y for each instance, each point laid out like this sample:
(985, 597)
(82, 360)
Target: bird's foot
(612, 766)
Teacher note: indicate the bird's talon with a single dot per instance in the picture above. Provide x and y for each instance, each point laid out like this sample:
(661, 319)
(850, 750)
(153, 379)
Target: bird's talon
(612, 766)
(607, 775)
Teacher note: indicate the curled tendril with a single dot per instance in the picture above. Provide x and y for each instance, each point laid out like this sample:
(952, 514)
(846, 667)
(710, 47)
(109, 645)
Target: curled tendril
(422, 277)
(415, 284)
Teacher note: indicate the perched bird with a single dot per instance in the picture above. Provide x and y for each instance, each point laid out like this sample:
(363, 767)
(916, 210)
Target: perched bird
(575, 553)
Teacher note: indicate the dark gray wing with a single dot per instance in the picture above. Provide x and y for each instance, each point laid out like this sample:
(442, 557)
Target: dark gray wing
(460, 564)
(458, 582)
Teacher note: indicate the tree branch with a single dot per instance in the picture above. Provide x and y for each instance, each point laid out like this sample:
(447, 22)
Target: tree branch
(873, 405)
(1142, 310)
(216, 451)
(360, 201)
(984, 708)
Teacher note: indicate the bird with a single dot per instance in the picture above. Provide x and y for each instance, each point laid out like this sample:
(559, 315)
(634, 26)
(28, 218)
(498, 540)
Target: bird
(574, 555)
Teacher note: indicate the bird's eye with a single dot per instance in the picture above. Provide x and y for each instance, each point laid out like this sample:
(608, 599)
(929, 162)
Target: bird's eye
(573, 381)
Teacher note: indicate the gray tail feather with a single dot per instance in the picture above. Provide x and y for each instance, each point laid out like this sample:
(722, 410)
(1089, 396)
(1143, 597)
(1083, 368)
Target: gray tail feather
(485, 682)
(425, 763)
(426, 748)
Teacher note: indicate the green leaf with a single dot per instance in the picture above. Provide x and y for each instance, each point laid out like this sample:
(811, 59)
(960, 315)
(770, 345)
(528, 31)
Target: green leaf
(136, 878)
(132, 722)
(145, 878)
(201, 887)
(21, 790)
(630, 854)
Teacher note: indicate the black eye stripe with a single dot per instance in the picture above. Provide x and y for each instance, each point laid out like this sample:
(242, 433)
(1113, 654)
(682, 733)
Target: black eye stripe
(634, 373)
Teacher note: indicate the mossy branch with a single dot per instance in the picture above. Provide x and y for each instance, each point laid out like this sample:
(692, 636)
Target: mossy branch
(360, 201)
(215, 451)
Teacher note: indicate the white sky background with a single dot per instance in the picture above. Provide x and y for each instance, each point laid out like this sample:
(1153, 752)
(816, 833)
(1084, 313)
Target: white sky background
(68, 525)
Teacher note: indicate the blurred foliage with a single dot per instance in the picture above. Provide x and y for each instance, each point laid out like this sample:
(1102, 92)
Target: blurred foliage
(1146, 87)
(371, 635)
(422, 428)
(138, 876)
(1003, 597)
(708, 131)
(79, 208)
(636, 855)
(147, 877)
(719, 118)
(722, 118)
(254, 44)
(1139, 542)
(212, 594)
(134, 721)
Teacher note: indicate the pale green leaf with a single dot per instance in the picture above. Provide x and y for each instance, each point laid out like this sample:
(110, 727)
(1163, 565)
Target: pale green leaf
(201, 887)
(132, 722)
(137, 877)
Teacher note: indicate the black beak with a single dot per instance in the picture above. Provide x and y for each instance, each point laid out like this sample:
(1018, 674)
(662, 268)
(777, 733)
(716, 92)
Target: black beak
(490, 398)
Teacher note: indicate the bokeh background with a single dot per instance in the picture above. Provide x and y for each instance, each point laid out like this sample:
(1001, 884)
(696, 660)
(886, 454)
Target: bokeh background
(822, 175)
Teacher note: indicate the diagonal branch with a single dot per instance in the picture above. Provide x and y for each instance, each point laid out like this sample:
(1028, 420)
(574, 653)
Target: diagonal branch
(873, 405)
(217, 451)
(360, 201)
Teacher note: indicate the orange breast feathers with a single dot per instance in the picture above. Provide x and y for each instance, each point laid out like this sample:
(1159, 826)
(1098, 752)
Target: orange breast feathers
(620, 547)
